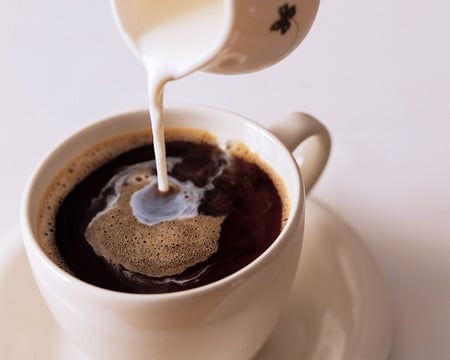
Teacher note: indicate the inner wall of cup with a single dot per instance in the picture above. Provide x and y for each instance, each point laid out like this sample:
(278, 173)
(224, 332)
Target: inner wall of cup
(235, 127)
(222, 124)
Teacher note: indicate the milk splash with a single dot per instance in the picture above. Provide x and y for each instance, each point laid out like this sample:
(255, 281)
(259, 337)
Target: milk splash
(130, 210)
(148, 205)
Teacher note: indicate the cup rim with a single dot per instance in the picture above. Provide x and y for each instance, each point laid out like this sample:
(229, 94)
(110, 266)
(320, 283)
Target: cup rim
(32, 245)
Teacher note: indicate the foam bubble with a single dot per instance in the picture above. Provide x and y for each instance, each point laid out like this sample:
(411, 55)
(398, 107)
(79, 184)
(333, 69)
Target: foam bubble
(167, 248)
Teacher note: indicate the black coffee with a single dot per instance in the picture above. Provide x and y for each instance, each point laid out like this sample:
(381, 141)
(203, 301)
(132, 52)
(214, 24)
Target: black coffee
(105, 230)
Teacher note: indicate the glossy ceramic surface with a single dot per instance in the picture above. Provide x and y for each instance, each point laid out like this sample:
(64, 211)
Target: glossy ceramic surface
(338, 308)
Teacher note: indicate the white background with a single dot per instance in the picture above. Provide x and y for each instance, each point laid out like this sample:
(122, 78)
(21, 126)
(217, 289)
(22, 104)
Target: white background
(375, 72)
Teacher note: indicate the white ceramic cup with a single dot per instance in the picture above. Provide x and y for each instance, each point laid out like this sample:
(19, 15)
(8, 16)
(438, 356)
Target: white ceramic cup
(228, 319)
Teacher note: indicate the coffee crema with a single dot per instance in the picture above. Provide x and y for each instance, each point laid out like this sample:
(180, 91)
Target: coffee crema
(104, 221)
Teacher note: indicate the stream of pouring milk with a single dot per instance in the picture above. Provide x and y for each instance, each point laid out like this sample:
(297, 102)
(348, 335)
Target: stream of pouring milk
(174, 38)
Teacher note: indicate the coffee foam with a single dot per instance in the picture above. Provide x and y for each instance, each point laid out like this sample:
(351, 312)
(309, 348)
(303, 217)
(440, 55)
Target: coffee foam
(146, 232)
(169, 232)
(167, 248)
(77, 170)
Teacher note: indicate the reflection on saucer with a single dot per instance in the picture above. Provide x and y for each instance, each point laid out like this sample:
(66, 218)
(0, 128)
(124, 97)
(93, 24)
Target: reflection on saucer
(338, 308)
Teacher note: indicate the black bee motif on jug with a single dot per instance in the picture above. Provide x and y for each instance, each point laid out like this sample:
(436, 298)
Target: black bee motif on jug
(286, 13)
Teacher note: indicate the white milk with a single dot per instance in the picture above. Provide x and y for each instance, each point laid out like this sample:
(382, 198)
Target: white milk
(174, 38)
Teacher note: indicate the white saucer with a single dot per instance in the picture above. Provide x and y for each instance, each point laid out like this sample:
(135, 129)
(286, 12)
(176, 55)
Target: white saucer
(338, 310)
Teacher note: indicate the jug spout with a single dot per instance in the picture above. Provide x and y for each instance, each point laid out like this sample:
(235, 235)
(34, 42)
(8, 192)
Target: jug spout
(219, 36)
(179, 36)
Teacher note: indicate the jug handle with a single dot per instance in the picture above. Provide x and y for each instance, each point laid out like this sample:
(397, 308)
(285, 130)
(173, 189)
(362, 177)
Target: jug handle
(308, 140)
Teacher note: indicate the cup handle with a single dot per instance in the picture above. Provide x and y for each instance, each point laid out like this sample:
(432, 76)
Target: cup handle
(308, 140)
